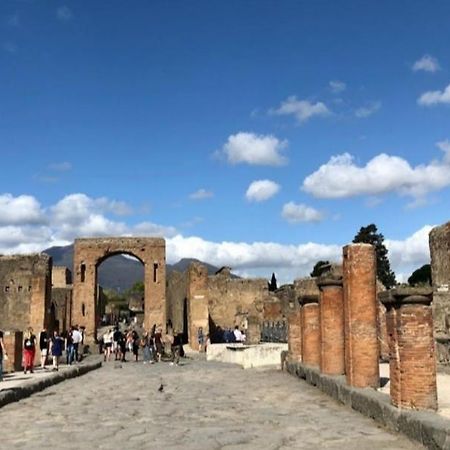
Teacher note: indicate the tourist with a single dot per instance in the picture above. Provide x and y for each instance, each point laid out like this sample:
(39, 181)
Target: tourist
(145, 344)
(43, 346)
(117, 337)
(237, 334)
(200, 339)
(176, 348)
(69, 347)
(3, 355)
(122, 347)
(107, 344)
(135, 344)
(29, 351)
(159, 345)
(77, 338)
(56, 348)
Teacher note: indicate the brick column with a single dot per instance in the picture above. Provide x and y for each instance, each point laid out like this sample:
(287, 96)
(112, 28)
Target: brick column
(13, 341)
(412, 357)
(310, 330)
(360, 316)
(331, 306)
(295, 335)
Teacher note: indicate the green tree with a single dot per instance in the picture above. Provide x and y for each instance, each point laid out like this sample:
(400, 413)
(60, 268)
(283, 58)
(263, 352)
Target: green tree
(318, 268)
(370, 235)
(421, 276)
(273, 283)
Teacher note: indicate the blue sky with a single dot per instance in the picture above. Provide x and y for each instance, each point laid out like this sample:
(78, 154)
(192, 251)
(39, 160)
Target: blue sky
(258, 134)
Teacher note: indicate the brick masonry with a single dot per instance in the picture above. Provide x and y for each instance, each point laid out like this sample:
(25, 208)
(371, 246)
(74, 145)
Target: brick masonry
(331, 326)
(295, 334)
(310, 330)
(412, 351)
(360, 316)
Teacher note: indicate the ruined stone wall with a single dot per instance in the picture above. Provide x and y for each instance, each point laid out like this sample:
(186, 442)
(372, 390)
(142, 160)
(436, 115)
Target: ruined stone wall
(176, 294)
(279, 304)
(231, 300)
(61, 276)
(306, 287)
(62, 304)
(25, 291)
(440, 273)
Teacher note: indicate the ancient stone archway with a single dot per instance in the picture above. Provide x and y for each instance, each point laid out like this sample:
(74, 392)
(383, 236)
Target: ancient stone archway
(89, 253)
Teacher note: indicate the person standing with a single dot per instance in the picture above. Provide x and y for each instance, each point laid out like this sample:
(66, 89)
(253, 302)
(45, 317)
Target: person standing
(56, 348)
(176, 348)
(69, 347)
(3, 354)
(135, 345)
(107, 344)
(43, 346)
(200, 339)
(77, 338)
(29, 351)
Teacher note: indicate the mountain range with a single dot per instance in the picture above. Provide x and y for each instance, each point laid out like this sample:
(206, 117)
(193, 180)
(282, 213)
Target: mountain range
(119, 272)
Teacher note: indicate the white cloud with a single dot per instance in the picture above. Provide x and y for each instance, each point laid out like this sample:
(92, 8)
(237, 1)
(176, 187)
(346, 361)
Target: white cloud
(21, 210)
(201, 194)
(261, 190)
(337, 86)
(427, 63)
(302, 110)
(79, 215)
(64, 13)
(340, 177)
(254, 149)
(432, 98)
(296, 213)
(64, 166)
(368, 110)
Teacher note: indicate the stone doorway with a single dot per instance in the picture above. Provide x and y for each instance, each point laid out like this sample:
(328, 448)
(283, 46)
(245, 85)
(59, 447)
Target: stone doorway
(89, 253)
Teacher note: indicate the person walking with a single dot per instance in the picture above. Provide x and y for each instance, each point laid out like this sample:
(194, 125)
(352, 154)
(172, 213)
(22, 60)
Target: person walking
(176, 348)
(135, 344)
(107, 344)
(3, 355)
(56, 348)
(70, 352)
(43, 346)
(29, 351)
(77, 338)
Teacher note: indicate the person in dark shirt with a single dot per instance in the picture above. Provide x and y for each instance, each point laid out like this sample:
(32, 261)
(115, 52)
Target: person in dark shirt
(29, 350)
(56, 349)
(43, 346)
(117, 337)
(176, 348)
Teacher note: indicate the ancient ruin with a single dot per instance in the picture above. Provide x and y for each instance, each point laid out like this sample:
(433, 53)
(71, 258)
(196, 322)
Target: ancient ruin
(89, 253)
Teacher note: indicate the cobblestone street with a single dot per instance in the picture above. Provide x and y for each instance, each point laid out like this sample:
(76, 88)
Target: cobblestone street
(202, 406)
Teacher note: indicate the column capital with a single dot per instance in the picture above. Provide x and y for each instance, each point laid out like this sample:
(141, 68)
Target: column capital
(406, 295)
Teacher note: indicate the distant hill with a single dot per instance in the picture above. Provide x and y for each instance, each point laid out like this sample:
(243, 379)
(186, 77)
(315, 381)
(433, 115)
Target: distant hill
(118, 272)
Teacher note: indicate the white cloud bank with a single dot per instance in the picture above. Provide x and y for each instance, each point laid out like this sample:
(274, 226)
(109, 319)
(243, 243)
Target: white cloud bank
(296, 213)
(78, 215)
(432, 98)
(261, 190)
(254, 149)
(341, 177)
(302, 110)
(427, 63)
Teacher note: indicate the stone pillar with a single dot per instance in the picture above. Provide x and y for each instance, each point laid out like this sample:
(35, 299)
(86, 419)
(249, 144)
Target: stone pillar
(253, 336)
(13, 341)
(198, 313)
(310, 330)
(295, 335)
(360, 316)
(331, 306)
(412, 356)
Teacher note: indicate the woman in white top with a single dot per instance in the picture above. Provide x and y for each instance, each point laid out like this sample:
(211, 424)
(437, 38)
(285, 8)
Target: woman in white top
(107, 344)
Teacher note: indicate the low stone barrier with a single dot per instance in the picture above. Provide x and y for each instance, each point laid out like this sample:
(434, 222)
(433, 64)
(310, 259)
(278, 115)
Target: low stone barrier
(429, 429)
(18, 393)
(247, 356)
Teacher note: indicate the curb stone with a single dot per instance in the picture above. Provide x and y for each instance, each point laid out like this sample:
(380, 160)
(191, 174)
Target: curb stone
(428, 428)
(12, 395)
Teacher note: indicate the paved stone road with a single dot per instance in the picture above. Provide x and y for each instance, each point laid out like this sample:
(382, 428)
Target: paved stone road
(202, 406)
